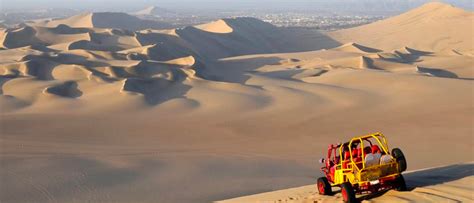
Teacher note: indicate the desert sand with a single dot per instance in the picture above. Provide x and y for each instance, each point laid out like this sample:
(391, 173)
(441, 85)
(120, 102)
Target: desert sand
(434, 26)
(438, 184)
(99, 112)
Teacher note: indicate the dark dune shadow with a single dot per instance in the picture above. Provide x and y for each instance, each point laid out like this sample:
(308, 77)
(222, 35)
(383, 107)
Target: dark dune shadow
(253, 36)
(41, 47)
(217, 45)
(125, 21)
(4, 79)
(41, 68)
(62, 58)
(156, 90)
(438, 72)
(67, 89)
(90, 45)
(165, 47)
(282, 74)
(21, 37)
(304, 39)
(233, 71)
(411, 55)
(439, 175)
(368, 63)
(67, 30)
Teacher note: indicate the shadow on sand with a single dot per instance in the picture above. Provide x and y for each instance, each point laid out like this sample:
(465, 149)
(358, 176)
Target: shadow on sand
(437, 176)
(431, 176)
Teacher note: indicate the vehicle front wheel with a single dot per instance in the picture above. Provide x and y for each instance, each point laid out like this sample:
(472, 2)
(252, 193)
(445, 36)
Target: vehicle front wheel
(324, 188)
(400, 157)
(400, 184)
(348, 194)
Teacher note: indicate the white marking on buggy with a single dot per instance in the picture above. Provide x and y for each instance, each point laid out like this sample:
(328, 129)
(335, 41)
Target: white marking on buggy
(374, 182)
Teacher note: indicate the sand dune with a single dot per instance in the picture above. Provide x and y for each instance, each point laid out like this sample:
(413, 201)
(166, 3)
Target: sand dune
(219, 26)
(153, 11)
(244, 36)
(432, 27)
(357, 48)
(20, 37)
(34, 36)
(94, 112)
(67, 89)
(106, 20)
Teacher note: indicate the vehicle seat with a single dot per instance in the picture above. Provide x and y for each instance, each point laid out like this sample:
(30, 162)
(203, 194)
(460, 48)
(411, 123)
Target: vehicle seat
(355, 152)
(387, 158)
(371, 160)
(376, 149)
(376, 152)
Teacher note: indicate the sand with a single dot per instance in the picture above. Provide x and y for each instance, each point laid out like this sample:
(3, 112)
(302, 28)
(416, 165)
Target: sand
(438, 184)
(227, 109)
(219, 26)
(434, 26)
(105, 20)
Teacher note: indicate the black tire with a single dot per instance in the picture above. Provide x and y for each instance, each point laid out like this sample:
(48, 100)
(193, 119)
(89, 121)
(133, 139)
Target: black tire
(324, 188)
(348, 194)
(400, 184)
(402, 162)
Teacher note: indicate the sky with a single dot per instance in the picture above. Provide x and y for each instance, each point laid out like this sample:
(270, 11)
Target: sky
(127, 5)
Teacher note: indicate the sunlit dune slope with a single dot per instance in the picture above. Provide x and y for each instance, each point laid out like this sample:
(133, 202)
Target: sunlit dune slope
(434, 26)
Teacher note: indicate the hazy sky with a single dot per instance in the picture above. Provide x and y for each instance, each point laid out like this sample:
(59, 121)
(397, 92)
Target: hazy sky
(220, 4)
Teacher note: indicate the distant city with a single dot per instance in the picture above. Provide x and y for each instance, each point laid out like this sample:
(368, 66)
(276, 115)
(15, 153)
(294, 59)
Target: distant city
(310, 20)
(295, 19)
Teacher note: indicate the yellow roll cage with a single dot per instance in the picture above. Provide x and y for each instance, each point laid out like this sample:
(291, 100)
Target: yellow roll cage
(356, 175)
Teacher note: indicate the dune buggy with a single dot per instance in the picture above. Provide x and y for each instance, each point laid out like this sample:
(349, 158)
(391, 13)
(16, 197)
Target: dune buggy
(363, 165)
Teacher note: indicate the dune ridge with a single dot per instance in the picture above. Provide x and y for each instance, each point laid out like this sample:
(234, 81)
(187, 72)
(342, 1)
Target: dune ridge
(153, 11)
(357, 48)
(219, 26)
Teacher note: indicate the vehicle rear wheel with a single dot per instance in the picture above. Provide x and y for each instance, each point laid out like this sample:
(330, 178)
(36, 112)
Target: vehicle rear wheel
(348, 194)
(324, 188)
(400, 184)
(402, 162)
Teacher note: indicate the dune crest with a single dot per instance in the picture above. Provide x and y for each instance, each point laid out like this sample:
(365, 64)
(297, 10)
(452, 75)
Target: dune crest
(153, 11)
(81, 20)
(219, 26)
(357, 48)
